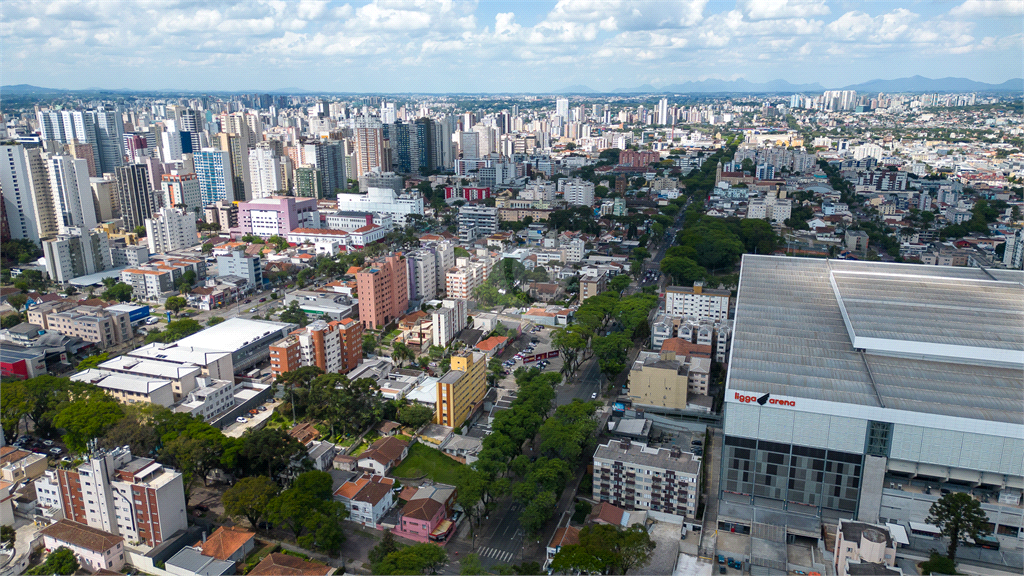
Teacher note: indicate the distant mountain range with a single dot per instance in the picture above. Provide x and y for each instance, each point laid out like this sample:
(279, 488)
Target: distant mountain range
(912, 84)
(710, 86)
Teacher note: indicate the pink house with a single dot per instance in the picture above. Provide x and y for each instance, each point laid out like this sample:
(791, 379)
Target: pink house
(425, 517)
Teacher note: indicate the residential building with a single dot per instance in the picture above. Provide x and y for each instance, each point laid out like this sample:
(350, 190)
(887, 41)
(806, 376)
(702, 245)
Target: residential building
(856, 241)
(93, 324)
(77, 252)
(461, 391)
(845, 366)
(17, 465)
(228, 543)
(334, 347)
(369, 147)
(863, 545)
(448, 321)
(1013, 256)
(159, 275)
(184, 377)
(216, 179)
(425, 517)
(475, 221)
(236, 147)
(94, 549)
(666, 379)
(564, 536)
(171, 229)
(577, 191)
(16, 187)
(772, 208)
(71, 192)
(137, 498)
(136, 195)
(593, 285)
(181, 190)
(189, 561)
(575, 249)
(638, 158)
(276, 216)
(265, 172)
(368, 498)
(334, 241)
(422, 275)
(383, 455)
(123, 255)
(634, 476)
(383, 291)
(382, 180)
(224, 213)
(238, 263)
(698, 301)
(278, 564)
(468, 273)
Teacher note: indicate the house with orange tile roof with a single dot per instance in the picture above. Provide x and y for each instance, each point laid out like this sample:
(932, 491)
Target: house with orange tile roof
(562, 537)
(228, 543)
(368, 498)
(278, 564)
(492, 345)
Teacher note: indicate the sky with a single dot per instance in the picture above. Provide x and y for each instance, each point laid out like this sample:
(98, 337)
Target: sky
(454, 46)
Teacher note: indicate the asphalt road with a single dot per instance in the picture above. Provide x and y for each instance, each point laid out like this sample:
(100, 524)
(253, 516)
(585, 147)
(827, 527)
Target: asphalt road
(501, 542)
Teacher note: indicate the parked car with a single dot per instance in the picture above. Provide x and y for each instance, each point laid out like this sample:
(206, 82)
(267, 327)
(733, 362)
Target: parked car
(55, 450)
(251, 310)
(241, 420)
(263, 299)
(262, 408)
(593, 396)
(47, 442)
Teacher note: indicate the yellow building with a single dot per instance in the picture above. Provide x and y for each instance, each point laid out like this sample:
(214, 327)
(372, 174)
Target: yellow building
(462, 389)
(659, 380)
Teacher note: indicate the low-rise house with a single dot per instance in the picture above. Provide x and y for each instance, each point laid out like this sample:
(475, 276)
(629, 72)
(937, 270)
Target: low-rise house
(321, 454)
(228, 543)
(368, 498)
(562, 537)
(191, 561)
(463, 449)
(425, 517)
(278, 564)
(94, 549)
(17, 465)
(383, 455)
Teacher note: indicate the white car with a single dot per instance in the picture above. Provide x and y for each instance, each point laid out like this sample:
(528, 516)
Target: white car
(241, 420)
(593, 396)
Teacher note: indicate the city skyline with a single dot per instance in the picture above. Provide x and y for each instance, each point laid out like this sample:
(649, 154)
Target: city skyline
(447, 47)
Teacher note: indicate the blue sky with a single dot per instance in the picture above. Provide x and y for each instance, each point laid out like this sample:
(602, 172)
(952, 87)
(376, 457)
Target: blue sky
(491, 46)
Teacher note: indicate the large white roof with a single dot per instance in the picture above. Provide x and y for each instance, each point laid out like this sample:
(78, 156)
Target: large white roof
(234, 334)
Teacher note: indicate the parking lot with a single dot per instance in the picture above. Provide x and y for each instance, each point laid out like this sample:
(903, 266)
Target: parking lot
(53, 449)
(254, 422)
(535, 340)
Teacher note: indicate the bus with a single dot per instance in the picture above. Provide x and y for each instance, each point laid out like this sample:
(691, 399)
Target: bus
(988, 542)
(925, 530)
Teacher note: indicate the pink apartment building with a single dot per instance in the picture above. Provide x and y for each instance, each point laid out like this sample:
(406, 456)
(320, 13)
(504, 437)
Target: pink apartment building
(383, 291)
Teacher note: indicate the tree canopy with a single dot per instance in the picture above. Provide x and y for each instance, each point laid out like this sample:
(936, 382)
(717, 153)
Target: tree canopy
(959, 516)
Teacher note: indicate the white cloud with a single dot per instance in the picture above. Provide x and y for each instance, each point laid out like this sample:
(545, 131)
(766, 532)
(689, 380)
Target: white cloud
(777, 9)
(631, 15)
(988, 8)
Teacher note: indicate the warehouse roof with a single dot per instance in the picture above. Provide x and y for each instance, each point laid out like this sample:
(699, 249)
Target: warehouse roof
(234, 334)
(931, 339)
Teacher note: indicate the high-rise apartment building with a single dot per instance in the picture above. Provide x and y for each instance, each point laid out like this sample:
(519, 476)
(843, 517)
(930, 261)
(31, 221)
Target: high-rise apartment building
(369, 152)
(334, 347)
(79, 252)
(171, 229)
(236, 146)
(562, 108)
(264, 172)
(448, 321)
(216, 179)
(181, 190)
(115, 492)
(383, 291)
(16, 188)
(237, 263)
(577, 191)
(71, 193)
(422, 275)
(223, 213)
(476, 220)
(136, 195)
(461, 391)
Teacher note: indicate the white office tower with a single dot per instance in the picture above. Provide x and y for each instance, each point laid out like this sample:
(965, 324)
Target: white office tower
(264, 172)
(79, 252)
(663, 111)
(71, 192)
(110, 137)
(171, 146)
(562, 108)
(16, 187)
(171, 229)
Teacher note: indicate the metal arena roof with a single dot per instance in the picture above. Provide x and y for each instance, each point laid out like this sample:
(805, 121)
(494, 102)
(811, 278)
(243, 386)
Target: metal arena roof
(931, 339)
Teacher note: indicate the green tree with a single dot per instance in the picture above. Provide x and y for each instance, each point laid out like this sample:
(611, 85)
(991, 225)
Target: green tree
(93, 361)
(959, 516)
(369, 344)
(471, 565)
(537, 513)
(175, 304)
(17, 301)
(86, 418)
(386, 546)
(214, 320)
(461, 252)
(60, 561)
(619, 283)
(416, 559)
(294, 314)
(140, 231)
(121, 292)
(269, 451)
(249, 498)
(415, 415)
(682, 270)
(207, 248)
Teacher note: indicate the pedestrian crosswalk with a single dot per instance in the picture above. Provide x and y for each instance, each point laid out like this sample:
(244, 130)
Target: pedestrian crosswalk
(495, 554)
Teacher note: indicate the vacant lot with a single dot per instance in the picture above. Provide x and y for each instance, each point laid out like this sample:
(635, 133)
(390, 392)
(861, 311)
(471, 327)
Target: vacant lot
(423, 460)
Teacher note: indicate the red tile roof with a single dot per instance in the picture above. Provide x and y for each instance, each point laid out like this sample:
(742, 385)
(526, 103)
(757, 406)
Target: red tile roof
(81, 536)
(225, 542)
(278, 564)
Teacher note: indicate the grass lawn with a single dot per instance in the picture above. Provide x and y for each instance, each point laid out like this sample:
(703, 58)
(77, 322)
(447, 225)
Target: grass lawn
(423, 460)
(390, 336)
